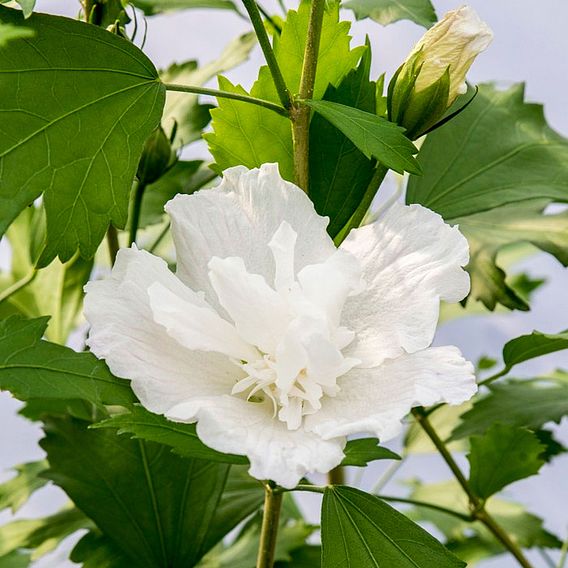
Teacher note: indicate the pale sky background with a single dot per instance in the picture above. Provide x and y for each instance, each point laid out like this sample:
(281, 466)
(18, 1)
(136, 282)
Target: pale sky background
(531, 44)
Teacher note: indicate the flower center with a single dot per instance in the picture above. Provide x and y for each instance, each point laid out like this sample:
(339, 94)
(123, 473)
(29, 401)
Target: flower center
(293, 327)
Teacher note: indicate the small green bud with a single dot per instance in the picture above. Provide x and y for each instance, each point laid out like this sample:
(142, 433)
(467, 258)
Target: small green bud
(432, 77)
(156, 157)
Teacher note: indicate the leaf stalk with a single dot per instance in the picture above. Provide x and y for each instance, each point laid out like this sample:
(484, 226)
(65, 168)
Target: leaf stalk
(226, 95)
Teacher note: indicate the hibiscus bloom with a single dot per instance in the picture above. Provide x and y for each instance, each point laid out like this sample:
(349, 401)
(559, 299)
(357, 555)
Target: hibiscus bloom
(275, 342)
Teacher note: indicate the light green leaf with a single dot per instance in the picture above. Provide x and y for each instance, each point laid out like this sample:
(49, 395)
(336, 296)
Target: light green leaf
(339, 172)
(386, 12)
(365, 450)
(184, 177)
(249, 135)
(490, 188)
(182, 109)
(182, 438)
(530, 403)
(140, 495)
(56, 290)
(524, 528)
(490, 231)
(42, 535)
(359, 529)
(151, 7)
(501, 456)
(9, 32)
(80, 142)
(16, 491)
(375, 136)
(15, 559)
(31, 368)
(536, 344)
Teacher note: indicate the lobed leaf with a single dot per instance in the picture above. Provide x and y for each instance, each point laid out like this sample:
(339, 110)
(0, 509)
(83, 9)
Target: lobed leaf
(16, 491)
(386, 12)
(80, 142)
(362, 451)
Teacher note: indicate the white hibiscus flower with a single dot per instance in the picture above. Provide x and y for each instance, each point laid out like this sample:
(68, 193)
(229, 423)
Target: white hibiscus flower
(276, 343)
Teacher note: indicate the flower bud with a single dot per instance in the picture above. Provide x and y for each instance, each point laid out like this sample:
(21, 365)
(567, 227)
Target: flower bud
(156, 157)
(432, 77)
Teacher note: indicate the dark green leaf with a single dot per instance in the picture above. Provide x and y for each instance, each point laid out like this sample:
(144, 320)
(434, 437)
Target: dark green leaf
(154, 506)
(490, 188)
(529, 403)
(15, 559)
(375, 136)
(503, 455)
(183, 109)
(80, 142)
(42, 534)
(249, 135)
(151, 7)
(386, 12)
(339, 172)
(15, 492)
(182, 438)
(183, 177)
(308, 556)
(31, 368)
(27, 6)
(95, 550)
(9, 32)
(364, 450)
(359, 529)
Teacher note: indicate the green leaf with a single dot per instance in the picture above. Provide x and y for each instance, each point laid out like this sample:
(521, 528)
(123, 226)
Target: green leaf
(15, 559)
(536, 344)
(184, 177)
(375, 136)
(249, 135)
(80, 142)
(182, 438)
(8, 32)
(339, 172)
(359, 529)
(468, 180)
(386, 12)
(490, 231)
(529, 403)
(501, 456)
(56, 290)
(31, 368)
(524, 528)
(43, 534)
(16, 491)
(365, 450)
(155, 506)
(152, 7)
(95, 550)
(308, 556)
(182, 109)
(27, 6)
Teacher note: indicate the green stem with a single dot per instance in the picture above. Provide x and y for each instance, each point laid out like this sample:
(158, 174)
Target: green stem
(388, 475)
(258, 25)
(563, 554)
(301, 113)
(226, 95)
(136, 209)
(308, 488)
(269, 19)
(494, 377)
(112, 242)
(477, 505)
(159, 238)
(364, 205)
(17, 286)
(462, 516)
(269, 531)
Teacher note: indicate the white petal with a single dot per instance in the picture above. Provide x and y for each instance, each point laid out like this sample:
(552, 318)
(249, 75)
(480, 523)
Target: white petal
(231, 425)
(411, 259)
(259, 312)
(124, 333)
(376, 400)
(196, 325)
(239, 218)
(283, 246)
